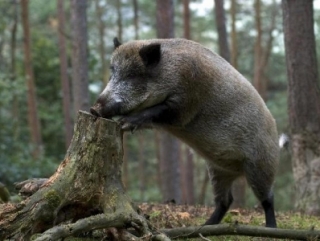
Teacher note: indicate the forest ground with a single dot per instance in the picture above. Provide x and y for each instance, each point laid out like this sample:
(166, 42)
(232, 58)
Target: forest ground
(171, 216)
(166, 216)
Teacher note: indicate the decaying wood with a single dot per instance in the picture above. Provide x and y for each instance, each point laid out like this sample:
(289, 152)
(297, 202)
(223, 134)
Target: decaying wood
(86, 184)
(241, 230)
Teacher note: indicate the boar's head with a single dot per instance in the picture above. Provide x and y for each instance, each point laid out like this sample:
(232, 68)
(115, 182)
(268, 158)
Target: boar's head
(135, 83)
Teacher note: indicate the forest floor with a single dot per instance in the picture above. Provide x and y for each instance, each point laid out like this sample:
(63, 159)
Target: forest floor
(172, 216)
(167, 216)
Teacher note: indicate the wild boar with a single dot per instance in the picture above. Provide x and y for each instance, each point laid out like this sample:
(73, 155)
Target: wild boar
(185, 89)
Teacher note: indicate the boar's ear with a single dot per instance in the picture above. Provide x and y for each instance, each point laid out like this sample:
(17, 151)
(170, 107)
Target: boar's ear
(116, 42)
(150, 54)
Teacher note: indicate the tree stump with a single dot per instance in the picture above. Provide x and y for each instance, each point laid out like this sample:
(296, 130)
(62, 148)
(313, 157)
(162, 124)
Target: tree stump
(85, 193)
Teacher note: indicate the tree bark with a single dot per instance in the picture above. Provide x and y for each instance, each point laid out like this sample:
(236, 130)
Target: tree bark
(262, 50)
(65, 83)
(186, 19)
(303, 101)
(119, 20)
(222, 30)
(79, 55)
(169, 146)
(241, 230)
(257, 74)
(102, 48)
(165, 19)
(87, 182)
(239, 186)
(170, 168)
(33, 119)
(187, 162)
(13, 48)
(234, 45)
(142, 165)
(136, 18)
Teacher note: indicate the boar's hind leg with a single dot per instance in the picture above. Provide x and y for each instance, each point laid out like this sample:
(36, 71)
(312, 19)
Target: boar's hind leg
(223, 196)
(261, 182)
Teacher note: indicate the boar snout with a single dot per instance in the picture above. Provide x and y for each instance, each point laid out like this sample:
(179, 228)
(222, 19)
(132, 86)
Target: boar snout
(96, 109)
(108, 110)
(94, 112)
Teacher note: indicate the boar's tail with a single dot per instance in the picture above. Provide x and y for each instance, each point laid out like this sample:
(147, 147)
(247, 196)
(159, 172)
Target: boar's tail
(284, 141)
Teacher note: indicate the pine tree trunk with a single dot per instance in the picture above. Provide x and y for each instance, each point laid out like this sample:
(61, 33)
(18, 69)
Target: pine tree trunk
(136, 18)
(65, 83)
(234, 45)
(169, 145)
(79, 55)
(119, 20)
(102, 48)
(33, 119)
(87, 182)
(222, 30)
(304, 102)
(239, 186)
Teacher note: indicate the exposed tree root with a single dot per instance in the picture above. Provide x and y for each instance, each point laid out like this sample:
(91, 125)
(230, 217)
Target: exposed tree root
(86, 183)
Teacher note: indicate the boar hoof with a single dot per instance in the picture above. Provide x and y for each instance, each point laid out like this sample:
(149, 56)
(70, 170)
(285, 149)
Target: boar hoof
(128, 125)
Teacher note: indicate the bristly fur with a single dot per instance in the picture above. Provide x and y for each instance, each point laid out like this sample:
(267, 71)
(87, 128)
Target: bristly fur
(183, 88)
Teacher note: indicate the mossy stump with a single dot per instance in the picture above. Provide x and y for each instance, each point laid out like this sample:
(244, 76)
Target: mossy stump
(85, 193)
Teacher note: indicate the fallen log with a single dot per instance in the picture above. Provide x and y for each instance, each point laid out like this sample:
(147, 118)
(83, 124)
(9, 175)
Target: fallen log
(241, 230)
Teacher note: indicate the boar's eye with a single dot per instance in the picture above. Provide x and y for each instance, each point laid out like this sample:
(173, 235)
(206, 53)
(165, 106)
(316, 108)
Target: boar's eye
(112, 68)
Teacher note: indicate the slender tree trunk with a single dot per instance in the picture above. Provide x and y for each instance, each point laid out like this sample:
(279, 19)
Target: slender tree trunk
(234, 45)
(142, 164)
(79, 55)
(186, 19)
(189, 176)
(33, 119)
(170, 168)
(222, 30)
(102, 48)
(119, 20)
(136, 18)
(13, 47)
(169, 146)
(65, 83)
(262, 51)
(239, 186)
(187, 161)
(165, 19)
(257, 75)
(203, 190)
(125, 176)
(304, 102)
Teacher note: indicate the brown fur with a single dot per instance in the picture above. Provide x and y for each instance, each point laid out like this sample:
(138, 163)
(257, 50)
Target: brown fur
(214, 109)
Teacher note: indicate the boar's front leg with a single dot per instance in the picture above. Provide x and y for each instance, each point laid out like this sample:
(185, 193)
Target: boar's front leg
(158, 114)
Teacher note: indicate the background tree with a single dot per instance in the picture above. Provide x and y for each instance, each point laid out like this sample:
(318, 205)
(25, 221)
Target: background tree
(33, 119)
(136, 18)
(239, 186)
(187, 162)
(262, 48)
(119, 19)
(79, 55)
(224, 49)
(303, 101)
(65, 83)
(169, 146)
(100, 10)
(234, 46)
